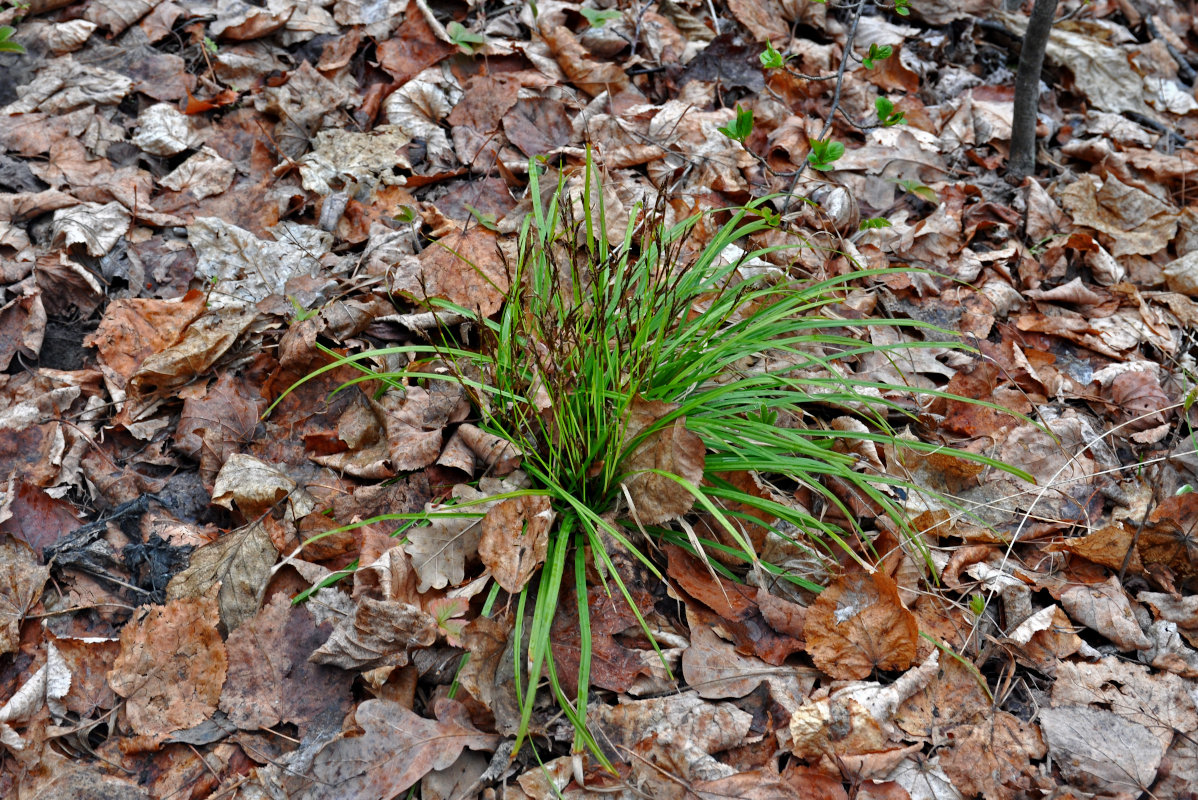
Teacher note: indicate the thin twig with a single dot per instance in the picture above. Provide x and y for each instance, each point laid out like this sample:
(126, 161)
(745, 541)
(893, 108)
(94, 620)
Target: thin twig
(844, 62)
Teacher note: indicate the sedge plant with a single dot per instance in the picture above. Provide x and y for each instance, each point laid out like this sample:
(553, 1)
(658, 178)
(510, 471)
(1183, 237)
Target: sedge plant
(590, 330)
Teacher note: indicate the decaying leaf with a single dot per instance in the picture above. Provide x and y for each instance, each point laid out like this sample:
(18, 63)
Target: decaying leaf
(515, 538)
(395, 750)
(240, 562)
(21, 580)
(379, 634)
(171, 666)
(671, 449)
(1099, 750)
(993, 757)
(858, 625)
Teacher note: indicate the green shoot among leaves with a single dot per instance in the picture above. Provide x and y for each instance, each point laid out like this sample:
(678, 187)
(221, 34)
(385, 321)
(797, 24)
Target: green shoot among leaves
(873, 223)
(919, 190)
(483, 218)
(977, 604)
(770, 58)
(824, 153)
(466, 40)
(740, 128)
(876, 54)
(599, 16)
(6, 43)
(902, 7)
(887, 116)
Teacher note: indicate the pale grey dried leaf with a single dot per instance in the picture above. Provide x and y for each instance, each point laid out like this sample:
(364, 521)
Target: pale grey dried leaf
(97, 227)
(164, 130)
(247, 269)
(204, 174)
(1099, 750)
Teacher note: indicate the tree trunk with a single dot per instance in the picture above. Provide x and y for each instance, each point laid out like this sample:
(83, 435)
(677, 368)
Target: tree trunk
(1027, 91)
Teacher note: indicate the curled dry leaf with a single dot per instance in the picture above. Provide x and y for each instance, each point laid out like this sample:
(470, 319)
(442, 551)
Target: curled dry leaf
(1106, 609)
(251, 483)
(858, 625)
(379, 634)
(671, 449)
(171, 666)
(134, 328)
(47, 686)
(499, 455)
(515, 538)
(1141, 401)
(204, 341)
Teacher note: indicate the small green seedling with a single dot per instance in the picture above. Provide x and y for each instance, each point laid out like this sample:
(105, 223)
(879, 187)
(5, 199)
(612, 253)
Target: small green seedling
(466, 40)
(902, 7)
(483, 218)
(977, 604)
(770, 58)
(302, 313)
(6, 43)
(876, 54)
(887, 116)
(919, 190)
(740, 128)
(873, 223)
(210, 45)
(824, 153)
(598, 17)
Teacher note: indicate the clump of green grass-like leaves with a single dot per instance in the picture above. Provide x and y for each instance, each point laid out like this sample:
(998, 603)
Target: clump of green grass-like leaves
(634, 385)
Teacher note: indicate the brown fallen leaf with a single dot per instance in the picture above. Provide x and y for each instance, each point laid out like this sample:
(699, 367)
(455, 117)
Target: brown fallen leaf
(671, 449)
(379, 634)
(239, 562)
(258, 665)
(614, 665)
(171, 666)
(858, 625)
(201, 344)
(591, 76)
(465, 269)
(515, 539)
(952, 699)
(270, 676)
(135, 328)
(993, 757)
(396, 748)
(22, 577)
(734, 609)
